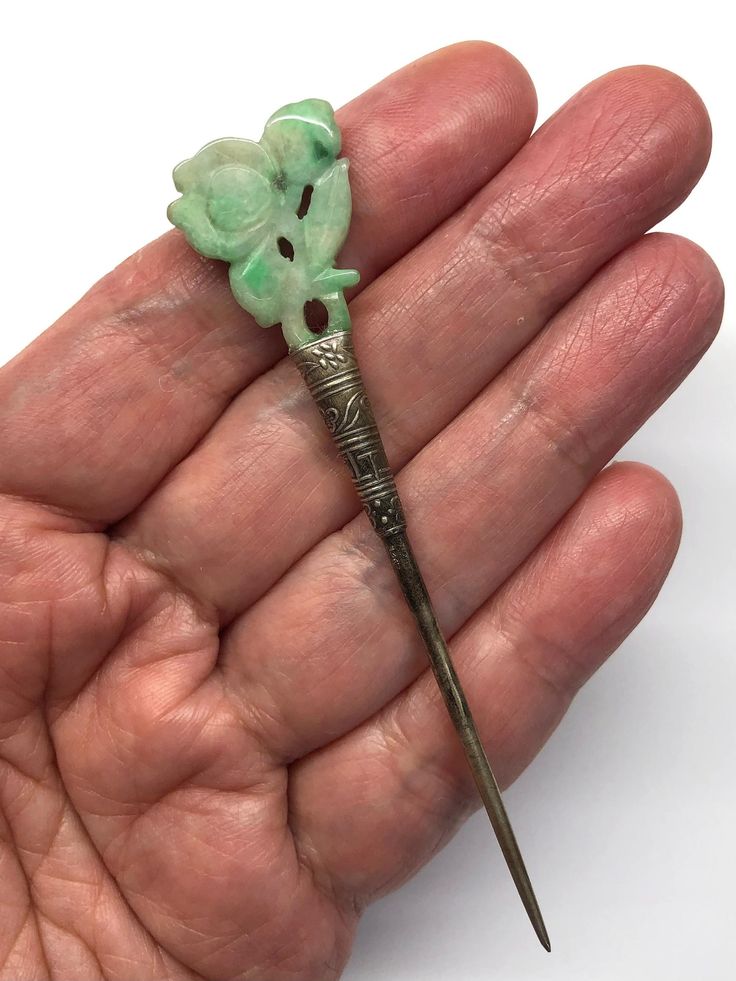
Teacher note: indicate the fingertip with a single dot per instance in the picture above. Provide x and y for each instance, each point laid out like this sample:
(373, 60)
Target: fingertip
(662, 89)
(644, 493)
(670, 272)
(499, 72)
(663, 121)
(691, 261)
(634, 511)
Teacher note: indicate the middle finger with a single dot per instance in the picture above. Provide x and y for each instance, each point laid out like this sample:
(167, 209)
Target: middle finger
(265, 485)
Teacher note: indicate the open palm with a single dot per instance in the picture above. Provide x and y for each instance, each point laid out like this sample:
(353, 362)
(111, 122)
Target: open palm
(218, 735)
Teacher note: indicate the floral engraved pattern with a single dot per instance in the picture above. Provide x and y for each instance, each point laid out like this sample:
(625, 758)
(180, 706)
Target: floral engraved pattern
(328, 354)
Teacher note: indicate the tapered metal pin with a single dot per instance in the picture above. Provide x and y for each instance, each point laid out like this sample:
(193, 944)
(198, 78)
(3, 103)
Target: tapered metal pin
(418, 599)
(278, 211)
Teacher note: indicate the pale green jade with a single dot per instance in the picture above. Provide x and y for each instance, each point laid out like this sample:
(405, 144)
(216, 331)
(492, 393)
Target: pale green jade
(278, 211)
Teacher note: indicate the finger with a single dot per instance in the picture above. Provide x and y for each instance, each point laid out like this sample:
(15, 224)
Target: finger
(123, 385)
(334, 641)
(265, 485)
(399, 785)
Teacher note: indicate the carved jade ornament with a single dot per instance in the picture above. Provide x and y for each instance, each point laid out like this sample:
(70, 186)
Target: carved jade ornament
(278, 211)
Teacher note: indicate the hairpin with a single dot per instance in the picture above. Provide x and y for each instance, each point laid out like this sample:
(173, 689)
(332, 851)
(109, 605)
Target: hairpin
(278, 212)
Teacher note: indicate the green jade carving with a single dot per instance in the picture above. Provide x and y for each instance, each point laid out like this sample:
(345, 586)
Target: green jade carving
(278, 211)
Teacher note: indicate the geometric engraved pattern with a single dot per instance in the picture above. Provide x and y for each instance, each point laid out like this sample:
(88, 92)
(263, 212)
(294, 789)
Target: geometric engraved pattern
(332, 375)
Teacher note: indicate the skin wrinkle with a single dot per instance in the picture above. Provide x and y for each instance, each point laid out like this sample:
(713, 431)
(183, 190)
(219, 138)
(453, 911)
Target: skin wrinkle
(289, 418)
(210, 337)
(206, 340)
(131, 619)
(421, 796)
(638, 141)
(558, 430)
(8, 853)
(14, 940)
(265, 717)
(252, 934)
(49, 922)
(398, 744)
(558, 679)
(27, 701)
(11, 839)
(194, 770)
(463, 116)
(359, 567)
(125, 895)
(39, 747)
(36, 785)
(37, 871)
(310, 867)
(671, 290)
(295, 414)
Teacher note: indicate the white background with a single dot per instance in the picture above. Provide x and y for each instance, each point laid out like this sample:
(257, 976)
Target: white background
(628, 817)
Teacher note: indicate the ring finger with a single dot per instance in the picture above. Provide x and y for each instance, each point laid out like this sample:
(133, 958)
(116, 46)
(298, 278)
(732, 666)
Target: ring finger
(333, 641)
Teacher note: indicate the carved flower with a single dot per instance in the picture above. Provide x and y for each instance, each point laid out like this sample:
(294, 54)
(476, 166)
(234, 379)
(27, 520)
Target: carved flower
(278, 212)
(228, 198)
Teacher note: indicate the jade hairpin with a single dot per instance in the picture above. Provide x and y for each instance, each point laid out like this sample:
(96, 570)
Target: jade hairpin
(278, 212)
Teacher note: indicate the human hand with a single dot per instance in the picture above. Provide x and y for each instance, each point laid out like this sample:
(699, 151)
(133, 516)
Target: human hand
(219, 738)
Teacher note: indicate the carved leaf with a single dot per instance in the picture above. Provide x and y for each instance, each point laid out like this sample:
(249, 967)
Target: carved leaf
(327, 221)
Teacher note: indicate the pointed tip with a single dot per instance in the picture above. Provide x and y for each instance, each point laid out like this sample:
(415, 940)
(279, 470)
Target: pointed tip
(541, 931)
(535, 916)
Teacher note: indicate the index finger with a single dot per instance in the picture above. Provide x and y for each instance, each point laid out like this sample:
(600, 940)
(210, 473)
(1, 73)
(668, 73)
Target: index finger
(121, 388)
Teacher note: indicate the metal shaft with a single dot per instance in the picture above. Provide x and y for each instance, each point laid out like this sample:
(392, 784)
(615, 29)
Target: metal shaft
(331, 372)
(417, 597)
